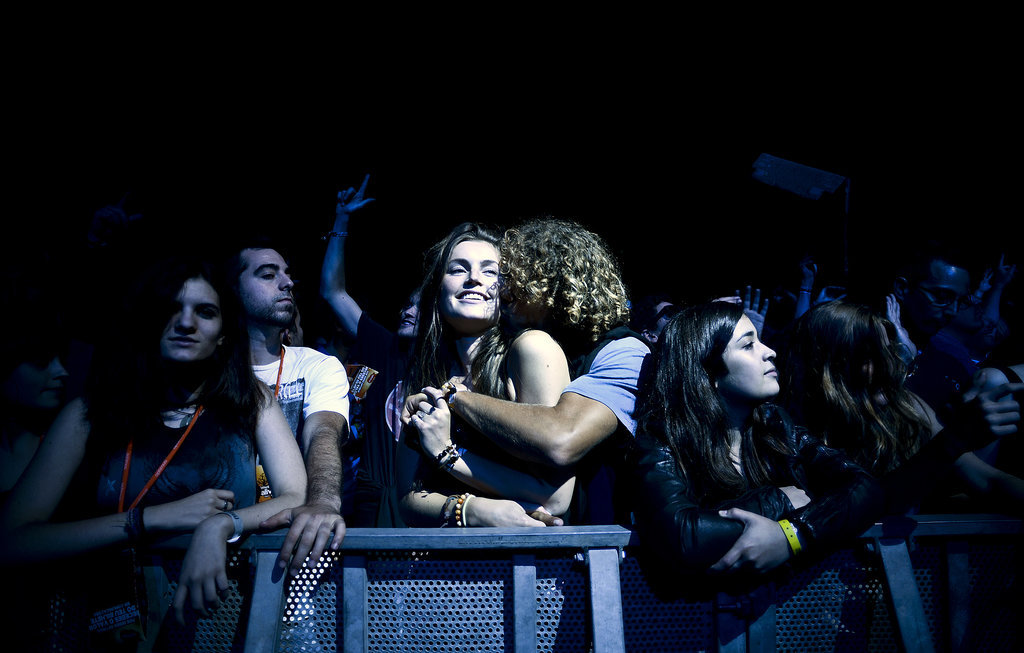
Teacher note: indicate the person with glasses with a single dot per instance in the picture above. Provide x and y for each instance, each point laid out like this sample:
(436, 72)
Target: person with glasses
(952, 356)
(650, 314)
(930, 290)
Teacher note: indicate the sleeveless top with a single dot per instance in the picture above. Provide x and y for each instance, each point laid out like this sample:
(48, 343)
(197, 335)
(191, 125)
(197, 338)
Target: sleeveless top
(210, 457)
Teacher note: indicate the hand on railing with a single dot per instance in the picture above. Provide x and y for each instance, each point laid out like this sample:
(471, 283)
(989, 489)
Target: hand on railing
(311, 528)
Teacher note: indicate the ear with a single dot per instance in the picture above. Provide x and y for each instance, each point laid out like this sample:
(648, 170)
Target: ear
(900, 288)
(649, 336)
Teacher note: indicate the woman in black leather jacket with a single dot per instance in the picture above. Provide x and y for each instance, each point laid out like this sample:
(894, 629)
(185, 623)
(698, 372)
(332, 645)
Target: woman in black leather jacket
(724, 481)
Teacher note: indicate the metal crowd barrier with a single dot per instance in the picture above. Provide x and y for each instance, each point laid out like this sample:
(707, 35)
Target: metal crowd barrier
(929, 583)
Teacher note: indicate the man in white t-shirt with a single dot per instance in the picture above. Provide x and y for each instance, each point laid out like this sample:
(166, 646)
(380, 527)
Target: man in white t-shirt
(312, 389)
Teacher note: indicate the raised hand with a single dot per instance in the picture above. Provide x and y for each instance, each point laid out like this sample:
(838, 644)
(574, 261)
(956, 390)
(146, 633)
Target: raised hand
(351, 200)
(892, 312)
(1003, 273)
(808, 270)
(754, 308)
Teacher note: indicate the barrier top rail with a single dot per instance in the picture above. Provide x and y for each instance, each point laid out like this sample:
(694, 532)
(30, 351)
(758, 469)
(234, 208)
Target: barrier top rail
(600, 536)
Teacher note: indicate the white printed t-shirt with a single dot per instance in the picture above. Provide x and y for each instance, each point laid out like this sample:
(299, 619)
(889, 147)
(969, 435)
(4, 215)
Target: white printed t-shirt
(311, 381)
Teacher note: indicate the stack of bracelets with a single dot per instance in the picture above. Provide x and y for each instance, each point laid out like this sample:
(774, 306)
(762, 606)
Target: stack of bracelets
(458, 513)
(447, 458)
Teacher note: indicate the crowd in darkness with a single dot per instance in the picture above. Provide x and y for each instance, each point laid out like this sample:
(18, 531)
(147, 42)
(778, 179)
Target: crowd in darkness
(746, 391)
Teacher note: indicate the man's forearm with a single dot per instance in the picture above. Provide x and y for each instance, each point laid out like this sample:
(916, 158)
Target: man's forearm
(526, 431)
(557, 436)
(323, 467)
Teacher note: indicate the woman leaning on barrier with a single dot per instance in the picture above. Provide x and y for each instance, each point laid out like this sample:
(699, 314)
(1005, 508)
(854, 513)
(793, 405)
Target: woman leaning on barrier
(162, 443)
(723, 481)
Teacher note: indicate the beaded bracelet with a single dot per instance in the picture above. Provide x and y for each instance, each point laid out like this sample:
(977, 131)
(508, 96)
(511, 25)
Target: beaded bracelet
(332, 234)
(792, 536)
(448, 457)
(460, 508)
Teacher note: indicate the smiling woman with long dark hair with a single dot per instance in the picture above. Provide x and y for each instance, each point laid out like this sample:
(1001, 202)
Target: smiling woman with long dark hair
(458, 476)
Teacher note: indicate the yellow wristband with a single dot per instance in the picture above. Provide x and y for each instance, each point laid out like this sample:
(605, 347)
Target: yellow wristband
(791, 536)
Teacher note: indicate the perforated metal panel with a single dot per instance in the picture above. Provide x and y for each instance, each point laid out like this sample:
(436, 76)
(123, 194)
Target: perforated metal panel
(839, 605)
(562, 605)
(655, 626)
(462, 601)
(309, 622)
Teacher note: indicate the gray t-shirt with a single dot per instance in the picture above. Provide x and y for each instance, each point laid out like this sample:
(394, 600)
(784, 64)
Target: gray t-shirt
(613, 378)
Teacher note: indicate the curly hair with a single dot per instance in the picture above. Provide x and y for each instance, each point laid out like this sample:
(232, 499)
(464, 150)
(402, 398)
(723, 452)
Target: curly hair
(571, 271)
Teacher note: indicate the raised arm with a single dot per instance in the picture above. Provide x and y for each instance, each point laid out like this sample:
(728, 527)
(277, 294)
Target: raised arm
(808, 270)
(333, 286)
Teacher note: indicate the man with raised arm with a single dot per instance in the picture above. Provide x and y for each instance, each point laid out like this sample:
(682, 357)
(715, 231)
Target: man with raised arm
(375, 415)
(312, 389)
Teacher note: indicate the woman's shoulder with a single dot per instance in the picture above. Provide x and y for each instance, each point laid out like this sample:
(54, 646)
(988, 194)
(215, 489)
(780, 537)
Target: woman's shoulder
(535, 343)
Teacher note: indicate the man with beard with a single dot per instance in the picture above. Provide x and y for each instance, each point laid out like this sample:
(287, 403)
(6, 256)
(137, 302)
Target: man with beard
(312, 389)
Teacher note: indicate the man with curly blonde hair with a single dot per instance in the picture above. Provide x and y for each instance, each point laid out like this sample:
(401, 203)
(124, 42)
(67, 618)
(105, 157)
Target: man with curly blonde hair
(562, 278)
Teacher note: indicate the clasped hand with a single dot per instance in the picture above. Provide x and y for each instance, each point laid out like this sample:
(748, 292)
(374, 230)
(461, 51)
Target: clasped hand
(761, 547)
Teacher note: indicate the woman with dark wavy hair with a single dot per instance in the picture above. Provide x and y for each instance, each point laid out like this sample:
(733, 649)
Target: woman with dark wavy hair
(845, 381)
(724, 481)
(458, 476)
(162, 443)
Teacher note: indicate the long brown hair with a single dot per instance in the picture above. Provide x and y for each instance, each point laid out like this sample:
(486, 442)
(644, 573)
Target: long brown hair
(844, 381)
(433, 352)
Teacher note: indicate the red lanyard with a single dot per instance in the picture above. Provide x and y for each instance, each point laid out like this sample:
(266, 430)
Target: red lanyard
(159, 470)
(174, 450)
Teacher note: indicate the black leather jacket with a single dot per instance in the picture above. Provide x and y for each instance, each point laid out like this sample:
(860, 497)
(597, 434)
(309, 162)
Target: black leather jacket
(682, 537)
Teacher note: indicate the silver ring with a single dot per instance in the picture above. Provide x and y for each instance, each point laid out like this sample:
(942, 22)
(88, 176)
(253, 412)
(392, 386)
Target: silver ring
(226, 502)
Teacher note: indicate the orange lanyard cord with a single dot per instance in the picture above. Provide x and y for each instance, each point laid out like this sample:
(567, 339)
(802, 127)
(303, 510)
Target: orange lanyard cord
(159, 470)
(280, 368)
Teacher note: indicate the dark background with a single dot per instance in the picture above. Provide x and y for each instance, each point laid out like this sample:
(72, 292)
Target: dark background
(662, 172)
